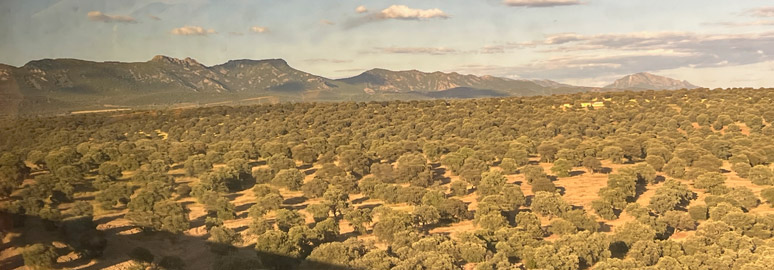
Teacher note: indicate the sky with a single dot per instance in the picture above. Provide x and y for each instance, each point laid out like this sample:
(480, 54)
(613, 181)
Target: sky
(709, 43)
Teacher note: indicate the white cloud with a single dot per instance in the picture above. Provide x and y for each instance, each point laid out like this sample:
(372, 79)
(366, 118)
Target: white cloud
(259, 29)
(417, 50)
(361, 9)
(762, 12)
(406, 13)
(98, 16)
(397, 12)
(192, 31)
(540, 3)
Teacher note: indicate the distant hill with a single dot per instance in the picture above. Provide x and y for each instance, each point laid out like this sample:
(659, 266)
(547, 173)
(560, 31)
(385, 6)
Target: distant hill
(56, 86)
(163, 73)
(272, 74)
(64, 85)
(386, 81)
(647, 81)
(550, 83)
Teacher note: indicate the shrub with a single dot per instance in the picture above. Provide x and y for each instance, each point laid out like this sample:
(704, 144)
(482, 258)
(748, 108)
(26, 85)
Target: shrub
(698, 212)
(292, 179)
(592, 164)
(543, 184)
(768, 195)
(562, 227)
(459, 188)
(562, 168)
(183, 190)
(315, 188)
(509, 166)
(761, 175)
(604, 209)
(39, 256)
(263, 175)
(742, 169)
(656, 162)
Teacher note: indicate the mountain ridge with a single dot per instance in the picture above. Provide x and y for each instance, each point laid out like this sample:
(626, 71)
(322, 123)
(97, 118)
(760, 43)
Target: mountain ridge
(649, 81)
(55, 86)
(379, 79)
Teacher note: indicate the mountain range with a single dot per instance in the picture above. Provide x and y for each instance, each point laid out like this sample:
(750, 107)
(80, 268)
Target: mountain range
(55, 86)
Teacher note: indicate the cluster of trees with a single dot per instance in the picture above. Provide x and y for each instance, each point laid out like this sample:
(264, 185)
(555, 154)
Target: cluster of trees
(680, 143)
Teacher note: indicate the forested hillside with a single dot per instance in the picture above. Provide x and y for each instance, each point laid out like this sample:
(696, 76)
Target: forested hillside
(615, 180)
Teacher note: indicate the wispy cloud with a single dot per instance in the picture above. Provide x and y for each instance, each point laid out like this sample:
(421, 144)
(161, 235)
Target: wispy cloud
(98, 16)
(326, 60)
(350, 70)
(259, 29)
(189, 30)
(575, 56)
(361, 9)
(326, 22)
(398, 12)
(417, 50)
(155, 18)
(714, 44)
(493, 49)
(742, 24)
(762, 12)
(540, 3)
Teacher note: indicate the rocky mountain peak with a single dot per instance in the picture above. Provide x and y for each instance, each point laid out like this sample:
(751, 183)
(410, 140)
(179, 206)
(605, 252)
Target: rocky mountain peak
(644, 80)
(188, 61)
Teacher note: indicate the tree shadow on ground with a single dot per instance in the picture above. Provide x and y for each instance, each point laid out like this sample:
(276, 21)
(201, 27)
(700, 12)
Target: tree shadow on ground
(70, 233)
(106, 219)
(528, 200)
(310, 171)
(305, 166)
(370, 206)
(295, 200)
(360, 200)
(243, 207)
(444, 180)
(576, 173)
(12, 262)
(640, 188)
(231, 196)
(659, 179)
(257, 163)
(604, 227)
